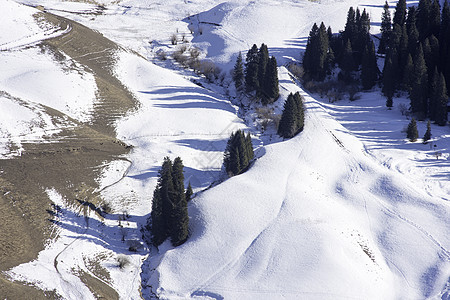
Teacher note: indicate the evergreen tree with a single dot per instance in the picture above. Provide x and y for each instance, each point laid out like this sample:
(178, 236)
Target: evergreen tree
(369, 68)
(238, 72)
(441, 101)
(413, 39)
(408, 74)
(287, 127)
(178, 218)
(403, 53)
(300, 111)
(351, 29)
(411, 133)
(427, 135)
(411, 18)
(386, 29)
(444, 42)
(419, 87)
(263, 60)
(238, 153)
(189, 192)
(162, 203)
(388, 80)
(434, 95)
(271, 90)
(423, 18)
(251, 69)
(347, 63)
(435, 18)
(400, 13)
(310, 56)
(322, 55)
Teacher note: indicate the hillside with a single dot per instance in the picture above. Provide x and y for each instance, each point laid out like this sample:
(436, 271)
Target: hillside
(347, 209)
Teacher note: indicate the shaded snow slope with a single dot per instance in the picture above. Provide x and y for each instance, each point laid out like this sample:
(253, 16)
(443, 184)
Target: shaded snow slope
(316, 217)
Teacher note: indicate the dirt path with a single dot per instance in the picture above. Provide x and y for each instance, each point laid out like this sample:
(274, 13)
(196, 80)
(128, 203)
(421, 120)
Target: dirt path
(70, 163)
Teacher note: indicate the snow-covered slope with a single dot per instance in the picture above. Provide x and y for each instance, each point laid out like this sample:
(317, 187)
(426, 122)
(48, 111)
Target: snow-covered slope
(316, 217)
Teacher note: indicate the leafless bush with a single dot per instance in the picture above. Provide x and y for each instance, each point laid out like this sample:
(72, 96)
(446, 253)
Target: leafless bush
(179, 56)
(209, 69)
(403, 109)
(296, 70)
(161, 54)
(194, 52)
(106, 208)
(353, 93)
(123, 261)
(267, 116)
(174, 39)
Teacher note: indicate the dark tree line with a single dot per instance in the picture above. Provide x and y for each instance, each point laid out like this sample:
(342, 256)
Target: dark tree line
(293, 117)
(260, 74)
(417, 47)
(352, 50)
(169, 216)
(238, 153)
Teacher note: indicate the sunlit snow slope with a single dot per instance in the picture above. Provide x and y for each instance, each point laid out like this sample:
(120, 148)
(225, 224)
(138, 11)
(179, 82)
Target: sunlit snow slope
(315, 218)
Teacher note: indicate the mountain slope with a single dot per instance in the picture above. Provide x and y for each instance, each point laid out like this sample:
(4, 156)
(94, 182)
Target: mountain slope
(315, 217)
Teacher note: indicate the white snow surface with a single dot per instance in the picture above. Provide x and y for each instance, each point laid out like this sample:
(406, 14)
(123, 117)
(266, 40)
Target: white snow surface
(348, 209)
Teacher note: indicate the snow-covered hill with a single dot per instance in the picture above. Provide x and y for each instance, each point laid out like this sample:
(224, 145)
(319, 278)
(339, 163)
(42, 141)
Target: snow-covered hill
(348, 209)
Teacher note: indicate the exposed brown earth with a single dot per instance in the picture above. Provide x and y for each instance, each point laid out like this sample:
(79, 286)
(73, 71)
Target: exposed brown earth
(69, 162)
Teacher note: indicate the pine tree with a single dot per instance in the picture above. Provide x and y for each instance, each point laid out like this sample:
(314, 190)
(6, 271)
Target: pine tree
(441, 101)
(419, 87)
(162, 203)
(388, 79)
(403, 53)
(435, 18)
(310, 56)
(300, 112)
(400, 13)
(323, 46)
(413, 39)
(369, 68)
(411, 18)
(271, 90)
(251, 69)
(408, 74)
(347, 63)
(238, 72)
(351, 29)
(238, 153)
(263, 60)
(179, 219)
(427, 135)
(411, 133)
(423, 18)
(189, 192)
(287, 127)
(386, 29)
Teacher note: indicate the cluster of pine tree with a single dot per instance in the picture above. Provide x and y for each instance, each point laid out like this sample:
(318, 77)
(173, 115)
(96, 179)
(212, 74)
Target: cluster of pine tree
(260, 74)
(353, 50)
(293, 117)
(238, 153)
(169, 216)
(417, 47)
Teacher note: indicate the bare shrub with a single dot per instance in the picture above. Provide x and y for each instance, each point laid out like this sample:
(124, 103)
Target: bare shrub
(106, 208)
(194, 52)
(296, 70)
(174, 39)
(179, 56)
(209, 69)
(353, 93)
(161, 54)
(267, 116)
(123, 261)
(403, 109)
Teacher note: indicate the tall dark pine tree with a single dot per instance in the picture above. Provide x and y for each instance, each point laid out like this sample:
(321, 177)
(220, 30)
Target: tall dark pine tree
(388, 80)
(386, 29)
(441, 116)
(238, 72)
(411, 132)
(419, 88)
(351, 28)
(288, 125)
(400, 13)
(263, 60)
(189, 192)
(413, 39)
(411, 18)
(444, 42)
(423, 18)
(310, 56)
(347, 62)
(162, 203)
(251, 69)
(427, 135)
(408, 74)
(369, 67)
(300, 116)
(179, 219)
(238, 153)
(271, 90)
(403, 53)
(323, 46)
(434, 94)
(435, 18)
